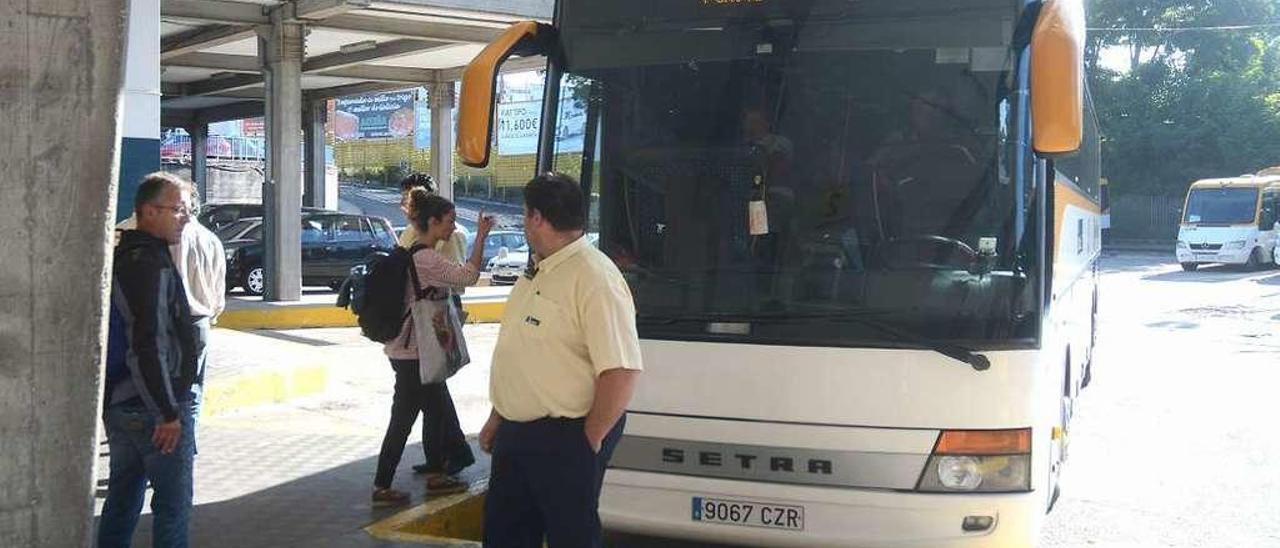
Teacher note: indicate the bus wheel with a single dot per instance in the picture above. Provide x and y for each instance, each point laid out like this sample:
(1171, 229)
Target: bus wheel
(1255, 260)
(1190, 267)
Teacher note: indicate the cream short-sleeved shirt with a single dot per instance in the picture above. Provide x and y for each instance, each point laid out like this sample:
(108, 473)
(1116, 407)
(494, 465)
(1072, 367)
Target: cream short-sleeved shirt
(572, 321)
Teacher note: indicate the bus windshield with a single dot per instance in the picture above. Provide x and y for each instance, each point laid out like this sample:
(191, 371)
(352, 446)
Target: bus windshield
(799, 177)
(1226, 206)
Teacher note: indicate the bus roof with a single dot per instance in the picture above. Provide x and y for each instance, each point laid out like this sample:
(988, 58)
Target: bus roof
(1250, 181)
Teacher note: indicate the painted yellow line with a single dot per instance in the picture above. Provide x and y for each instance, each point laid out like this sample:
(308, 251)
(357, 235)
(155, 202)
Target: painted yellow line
(320, 315)
(485, 311)
(287, 317)
(254, 389)
(454, 520)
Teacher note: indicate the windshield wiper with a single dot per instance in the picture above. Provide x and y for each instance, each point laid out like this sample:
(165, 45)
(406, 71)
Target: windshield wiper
(956, 352)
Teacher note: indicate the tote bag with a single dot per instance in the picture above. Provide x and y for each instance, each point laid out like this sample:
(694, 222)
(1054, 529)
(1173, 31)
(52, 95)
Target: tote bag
(437, 328)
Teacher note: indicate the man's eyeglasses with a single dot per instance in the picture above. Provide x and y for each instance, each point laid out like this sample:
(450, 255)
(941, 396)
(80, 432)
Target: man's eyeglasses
(180, 210)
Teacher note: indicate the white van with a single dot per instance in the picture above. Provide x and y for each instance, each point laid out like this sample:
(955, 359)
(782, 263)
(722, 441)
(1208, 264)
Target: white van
(1230, 221)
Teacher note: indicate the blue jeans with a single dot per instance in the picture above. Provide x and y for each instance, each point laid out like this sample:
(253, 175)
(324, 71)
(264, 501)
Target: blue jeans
(135, 461)
(200, 326)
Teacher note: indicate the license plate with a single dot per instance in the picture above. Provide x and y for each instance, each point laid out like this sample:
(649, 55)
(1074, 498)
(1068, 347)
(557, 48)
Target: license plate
(748, 513)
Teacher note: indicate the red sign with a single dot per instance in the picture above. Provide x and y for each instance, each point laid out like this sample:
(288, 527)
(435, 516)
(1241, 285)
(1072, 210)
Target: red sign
(252, 127)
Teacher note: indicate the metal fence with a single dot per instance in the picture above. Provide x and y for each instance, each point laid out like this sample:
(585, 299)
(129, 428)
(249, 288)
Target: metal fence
(177, 146)
(1145, 217)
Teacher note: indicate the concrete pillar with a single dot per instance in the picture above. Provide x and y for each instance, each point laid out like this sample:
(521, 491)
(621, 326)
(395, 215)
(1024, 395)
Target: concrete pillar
(442, 100)
(320, 190)
(59, 165)
(200, 160)
(281, 49)
(140, 145)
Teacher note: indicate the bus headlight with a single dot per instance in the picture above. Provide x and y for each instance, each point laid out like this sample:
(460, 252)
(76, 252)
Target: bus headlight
(959, 473)
(979, 461)
(977, 474)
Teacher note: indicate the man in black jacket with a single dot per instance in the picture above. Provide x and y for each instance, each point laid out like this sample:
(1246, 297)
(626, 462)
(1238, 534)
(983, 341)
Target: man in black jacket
(148, 413)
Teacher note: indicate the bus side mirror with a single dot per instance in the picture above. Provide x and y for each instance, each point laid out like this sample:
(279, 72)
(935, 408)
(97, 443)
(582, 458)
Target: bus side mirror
(1057, 78)
(479, 84)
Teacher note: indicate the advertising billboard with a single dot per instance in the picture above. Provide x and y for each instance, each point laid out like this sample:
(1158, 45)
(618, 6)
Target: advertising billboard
(518, 123)
(375, 116)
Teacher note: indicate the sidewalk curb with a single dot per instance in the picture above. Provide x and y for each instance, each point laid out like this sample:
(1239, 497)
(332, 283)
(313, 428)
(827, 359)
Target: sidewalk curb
(274, 385)
(454, 520)
(299, 316)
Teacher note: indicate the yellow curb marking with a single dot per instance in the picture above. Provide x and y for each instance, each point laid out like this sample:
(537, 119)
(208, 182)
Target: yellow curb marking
(304, 316)
(253, 389)
(457, 520)
(287, 316)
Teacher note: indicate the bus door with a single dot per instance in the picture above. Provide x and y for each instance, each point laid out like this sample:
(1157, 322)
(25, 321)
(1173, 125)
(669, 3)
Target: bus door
(1268, 218)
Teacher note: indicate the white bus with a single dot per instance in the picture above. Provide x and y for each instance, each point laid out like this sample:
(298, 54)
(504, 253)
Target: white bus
(1230, 221)
(862, 240)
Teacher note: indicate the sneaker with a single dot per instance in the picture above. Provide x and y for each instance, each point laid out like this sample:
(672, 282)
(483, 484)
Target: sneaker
(389, 497)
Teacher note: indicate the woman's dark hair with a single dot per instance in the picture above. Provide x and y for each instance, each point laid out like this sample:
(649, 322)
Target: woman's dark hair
(415, 180)
(425, 206)
(559, 199)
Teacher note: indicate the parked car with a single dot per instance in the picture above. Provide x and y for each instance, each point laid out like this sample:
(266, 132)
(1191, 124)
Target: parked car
(216, 216)
(496, 241)
(332, 243)
(249, 228)
(506, 268)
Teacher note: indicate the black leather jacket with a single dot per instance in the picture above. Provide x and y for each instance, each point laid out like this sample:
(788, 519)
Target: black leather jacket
(162, 356)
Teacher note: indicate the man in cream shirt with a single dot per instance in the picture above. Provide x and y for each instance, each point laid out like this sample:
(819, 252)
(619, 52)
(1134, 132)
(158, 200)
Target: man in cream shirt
(201, 262)
(564, 369)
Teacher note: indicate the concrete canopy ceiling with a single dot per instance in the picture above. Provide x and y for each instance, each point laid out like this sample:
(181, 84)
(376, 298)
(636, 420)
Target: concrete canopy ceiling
(209, 48)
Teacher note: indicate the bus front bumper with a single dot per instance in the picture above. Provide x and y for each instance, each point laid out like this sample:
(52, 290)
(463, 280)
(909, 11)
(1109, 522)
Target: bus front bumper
(1222, 256)
(661, 505)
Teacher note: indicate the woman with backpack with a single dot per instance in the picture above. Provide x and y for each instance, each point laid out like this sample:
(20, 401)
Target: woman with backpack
(447, 449)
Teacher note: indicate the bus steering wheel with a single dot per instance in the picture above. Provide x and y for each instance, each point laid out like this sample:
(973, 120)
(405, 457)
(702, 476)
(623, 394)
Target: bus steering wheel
(893, 252)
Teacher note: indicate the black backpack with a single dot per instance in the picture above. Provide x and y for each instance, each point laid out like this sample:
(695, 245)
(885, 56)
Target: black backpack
(374, 291)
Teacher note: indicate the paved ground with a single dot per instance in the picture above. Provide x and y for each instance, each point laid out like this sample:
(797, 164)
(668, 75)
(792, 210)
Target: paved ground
(1174, 443)
(300, 474)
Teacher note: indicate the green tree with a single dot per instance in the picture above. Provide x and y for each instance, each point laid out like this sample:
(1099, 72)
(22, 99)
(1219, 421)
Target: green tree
(1197, 100)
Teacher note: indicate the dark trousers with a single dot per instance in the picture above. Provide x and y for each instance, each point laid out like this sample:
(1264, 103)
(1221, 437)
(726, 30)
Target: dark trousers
(545, 483)
(442, 439)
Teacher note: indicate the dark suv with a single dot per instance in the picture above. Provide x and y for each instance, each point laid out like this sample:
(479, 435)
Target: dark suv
(332, 243)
